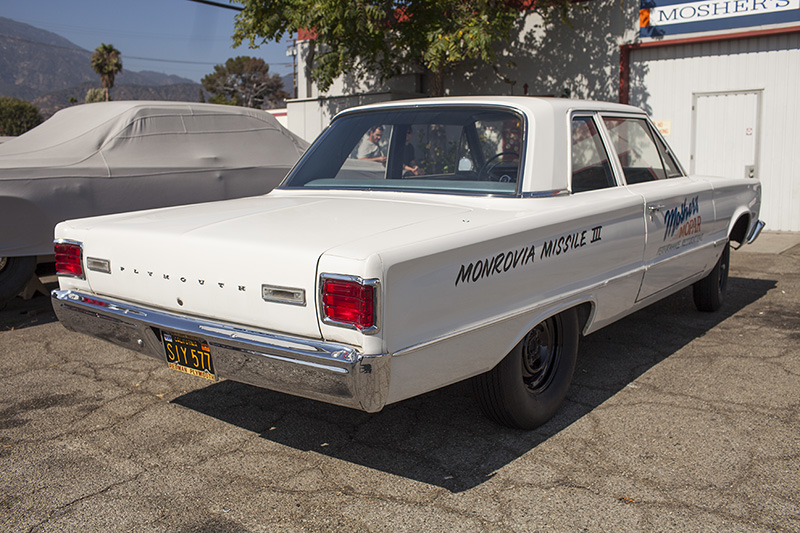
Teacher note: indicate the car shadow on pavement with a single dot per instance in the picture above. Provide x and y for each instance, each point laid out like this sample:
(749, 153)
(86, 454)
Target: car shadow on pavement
(441, 438)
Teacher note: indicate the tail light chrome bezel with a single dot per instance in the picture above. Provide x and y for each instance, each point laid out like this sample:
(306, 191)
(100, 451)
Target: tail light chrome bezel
(77, 244)
(375, 284)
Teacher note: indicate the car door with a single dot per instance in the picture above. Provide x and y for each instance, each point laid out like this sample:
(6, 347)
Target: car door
(599, 201)
(677, 209)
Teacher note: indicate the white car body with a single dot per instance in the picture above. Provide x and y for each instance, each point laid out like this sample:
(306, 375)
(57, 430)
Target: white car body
(459, 279)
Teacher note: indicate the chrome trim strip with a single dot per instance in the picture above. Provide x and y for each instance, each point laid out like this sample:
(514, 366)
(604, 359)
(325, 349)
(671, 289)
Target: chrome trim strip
(361, 281)
(286, 359)
(546, 194)
(316, 369)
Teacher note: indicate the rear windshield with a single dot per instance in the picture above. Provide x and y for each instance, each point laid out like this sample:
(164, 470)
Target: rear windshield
(452, 150)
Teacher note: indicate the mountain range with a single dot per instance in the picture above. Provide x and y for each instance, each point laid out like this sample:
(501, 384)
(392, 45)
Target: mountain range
(47, 70)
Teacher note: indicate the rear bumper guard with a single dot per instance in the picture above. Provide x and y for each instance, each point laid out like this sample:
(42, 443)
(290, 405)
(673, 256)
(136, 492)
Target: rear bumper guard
(755, 231)
(329, 372)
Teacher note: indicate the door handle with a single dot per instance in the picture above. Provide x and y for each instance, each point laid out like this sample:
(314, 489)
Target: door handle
(654, 208)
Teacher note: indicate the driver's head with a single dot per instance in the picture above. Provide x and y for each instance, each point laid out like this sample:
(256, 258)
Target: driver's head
(375, 133)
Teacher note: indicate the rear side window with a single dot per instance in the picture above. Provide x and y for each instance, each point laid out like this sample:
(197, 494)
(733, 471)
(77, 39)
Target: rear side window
(636, 148)
(590, 167)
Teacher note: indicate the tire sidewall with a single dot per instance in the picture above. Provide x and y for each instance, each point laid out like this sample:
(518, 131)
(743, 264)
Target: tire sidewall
(15, 275)
(528, 409)
(709, 292)
(723, 268)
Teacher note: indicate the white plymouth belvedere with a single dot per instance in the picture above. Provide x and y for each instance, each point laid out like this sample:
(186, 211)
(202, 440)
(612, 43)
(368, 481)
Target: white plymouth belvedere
(414, 245)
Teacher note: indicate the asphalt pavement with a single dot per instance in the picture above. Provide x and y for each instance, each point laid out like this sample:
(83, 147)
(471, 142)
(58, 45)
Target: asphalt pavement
(676, 421)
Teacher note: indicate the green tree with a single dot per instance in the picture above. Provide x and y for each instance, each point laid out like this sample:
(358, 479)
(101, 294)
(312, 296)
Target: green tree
(95, 95)
(387, 38)
(107, 63)
(17, 116)
(245, 81)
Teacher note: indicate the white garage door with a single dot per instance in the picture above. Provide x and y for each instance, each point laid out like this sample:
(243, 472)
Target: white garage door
(730, 151)
(730, 108)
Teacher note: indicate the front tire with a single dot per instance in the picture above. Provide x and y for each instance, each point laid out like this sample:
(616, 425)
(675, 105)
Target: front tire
(527, 387)
(15, 272)
(709, 292)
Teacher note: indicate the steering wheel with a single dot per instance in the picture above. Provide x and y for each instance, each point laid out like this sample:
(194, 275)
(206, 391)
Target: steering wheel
(486, 170)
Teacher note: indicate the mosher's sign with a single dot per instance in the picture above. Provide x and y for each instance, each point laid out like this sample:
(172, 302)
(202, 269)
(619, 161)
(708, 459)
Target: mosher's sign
(665, 17)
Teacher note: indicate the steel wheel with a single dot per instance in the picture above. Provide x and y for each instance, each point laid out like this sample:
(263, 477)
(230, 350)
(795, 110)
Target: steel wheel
(540, 355)
(527, 387)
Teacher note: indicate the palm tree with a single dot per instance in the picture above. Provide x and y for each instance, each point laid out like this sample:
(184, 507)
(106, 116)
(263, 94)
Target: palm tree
(107, 62)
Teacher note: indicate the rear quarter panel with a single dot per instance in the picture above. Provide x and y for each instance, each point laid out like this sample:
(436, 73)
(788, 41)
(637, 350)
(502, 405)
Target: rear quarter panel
(734, 198)
(454, 304)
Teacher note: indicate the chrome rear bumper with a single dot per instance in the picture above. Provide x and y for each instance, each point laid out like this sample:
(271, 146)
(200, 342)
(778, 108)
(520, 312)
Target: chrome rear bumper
(330, 372)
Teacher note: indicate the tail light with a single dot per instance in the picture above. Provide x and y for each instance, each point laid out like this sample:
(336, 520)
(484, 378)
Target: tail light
(350, 301)
(69, 259)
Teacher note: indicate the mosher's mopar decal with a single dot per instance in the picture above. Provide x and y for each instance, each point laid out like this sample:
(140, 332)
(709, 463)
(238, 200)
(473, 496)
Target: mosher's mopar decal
(682, 225)
(685, 217)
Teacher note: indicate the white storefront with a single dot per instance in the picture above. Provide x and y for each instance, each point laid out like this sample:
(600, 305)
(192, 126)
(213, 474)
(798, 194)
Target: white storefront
(727, 97)
(718, 76)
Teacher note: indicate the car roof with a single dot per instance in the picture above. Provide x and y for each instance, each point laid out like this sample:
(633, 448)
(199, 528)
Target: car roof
(531, 104)
(547, 137)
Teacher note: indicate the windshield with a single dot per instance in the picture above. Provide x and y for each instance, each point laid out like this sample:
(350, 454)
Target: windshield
(451, 150)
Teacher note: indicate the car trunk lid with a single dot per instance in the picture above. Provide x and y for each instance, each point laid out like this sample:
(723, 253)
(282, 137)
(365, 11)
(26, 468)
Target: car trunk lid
(214, 260)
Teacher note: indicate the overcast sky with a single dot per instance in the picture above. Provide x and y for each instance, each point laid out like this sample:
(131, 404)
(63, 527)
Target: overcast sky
(172, 36)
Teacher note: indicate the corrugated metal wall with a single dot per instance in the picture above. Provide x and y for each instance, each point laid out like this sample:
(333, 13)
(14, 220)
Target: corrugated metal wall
(665, 81)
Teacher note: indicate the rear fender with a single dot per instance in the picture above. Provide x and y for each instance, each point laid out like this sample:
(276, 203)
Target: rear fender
(738, 227)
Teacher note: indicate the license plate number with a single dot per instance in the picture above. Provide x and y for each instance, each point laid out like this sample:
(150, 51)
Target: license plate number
(189, 355)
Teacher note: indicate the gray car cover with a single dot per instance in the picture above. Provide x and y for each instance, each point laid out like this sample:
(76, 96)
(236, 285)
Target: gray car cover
(112, 157)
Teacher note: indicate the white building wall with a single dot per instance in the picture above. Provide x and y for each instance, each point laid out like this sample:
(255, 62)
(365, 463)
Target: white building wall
(582, 60)
(575, 59)
(664, 80)
(312, 110)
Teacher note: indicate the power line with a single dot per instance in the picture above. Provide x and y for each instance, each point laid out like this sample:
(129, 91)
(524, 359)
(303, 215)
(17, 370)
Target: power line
(87, 52)
(217, 4)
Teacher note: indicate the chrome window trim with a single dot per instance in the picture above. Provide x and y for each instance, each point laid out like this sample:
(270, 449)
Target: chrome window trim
(376, 303)
(520, 112)
(546, 194)
(605, 142)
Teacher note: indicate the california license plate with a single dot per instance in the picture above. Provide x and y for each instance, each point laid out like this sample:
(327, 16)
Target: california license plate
(189, 355)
